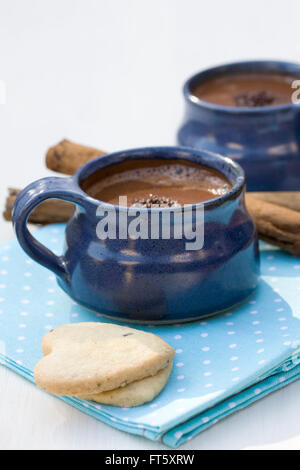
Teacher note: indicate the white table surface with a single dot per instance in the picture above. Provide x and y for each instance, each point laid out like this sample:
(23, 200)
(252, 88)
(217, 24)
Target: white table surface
(109, 74)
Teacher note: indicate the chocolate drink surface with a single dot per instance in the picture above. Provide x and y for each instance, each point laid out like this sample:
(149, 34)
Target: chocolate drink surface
(156, 183)
(247, 89)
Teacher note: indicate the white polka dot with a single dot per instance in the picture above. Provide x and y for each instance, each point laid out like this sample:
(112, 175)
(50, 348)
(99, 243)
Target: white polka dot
(180, 377)
(272, 268)
(277, 300)
(234, 358)
(261, 362)
(232, 405)
(180, 364)
(3, 272)
(254, 312)
(22, 325)
(259, 351)
(51, 278)
(153, 405)
(180, 390)
(54, 240)
(181, 409)
(260, 340)
(252, 302)
(207, 374)
(208, 385)
(257, 391)
(229, 323)
(2, 299)
(27, 274)
(232, 346)
(231, 332)
(287, 343)
(24, 314)
(50, 302)
(204, 335)
(114, 419)
(51, 291)
(270, 257)
(205, 419)
(282, 379)
(206, 362)
(235, 369)
(2, 286)
(19, 351)
(49, 314)
(235, 379)
(29, 261)
(258, 332)
(203, 323)
(279, 309)
(177, 337)
(205, 349)
(255, 322)
(282, 319)
(284, 328)
(19, 362)
(178, 351)
(21, 338)
(48, 327)
(75, 315)
(4, 258)
(26, 288)
(25, 301)
(178, 434)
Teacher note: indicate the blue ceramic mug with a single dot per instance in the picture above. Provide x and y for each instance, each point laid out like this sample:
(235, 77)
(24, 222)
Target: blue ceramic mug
(148, 280)
(264, 140)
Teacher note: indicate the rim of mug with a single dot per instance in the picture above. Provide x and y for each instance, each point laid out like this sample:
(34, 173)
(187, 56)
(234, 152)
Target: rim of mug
(275, 65)
(113, 158)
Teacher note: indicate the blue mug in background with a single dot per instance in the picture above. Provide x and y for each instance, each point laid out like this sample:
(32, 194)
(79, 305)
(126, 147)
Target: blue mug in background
(264, 140)
(148, 280)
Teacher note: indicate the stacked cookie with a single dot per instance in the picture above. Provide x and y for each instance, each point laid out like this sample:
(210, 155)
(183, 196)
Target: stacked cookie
(105, 363)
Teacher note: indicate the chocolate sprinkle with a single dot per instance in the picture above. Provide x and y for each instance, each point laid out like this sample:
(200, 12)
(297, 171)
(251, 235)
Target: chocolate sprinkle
(155, 202)
(252, 99)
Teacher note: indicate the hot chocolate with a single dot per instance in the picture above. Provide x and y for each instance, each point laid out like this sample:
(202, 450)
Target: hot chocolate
(156, 183)
(247, 89)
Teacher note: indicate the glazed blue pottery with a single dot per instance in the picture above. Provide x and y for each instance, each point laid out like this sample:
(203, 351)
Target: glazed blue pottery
(148, 280)
(264, 140)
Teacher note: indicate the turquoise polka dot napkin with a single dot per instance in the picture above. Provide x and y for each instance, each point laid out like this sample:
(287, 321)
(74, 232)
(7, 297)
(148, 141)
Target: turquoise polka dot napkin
(222, 364)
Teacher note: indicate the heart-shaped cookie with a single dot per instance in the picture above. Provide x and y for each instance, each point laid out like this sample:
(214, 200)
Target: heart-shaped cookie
(91, 358)
(136, 393)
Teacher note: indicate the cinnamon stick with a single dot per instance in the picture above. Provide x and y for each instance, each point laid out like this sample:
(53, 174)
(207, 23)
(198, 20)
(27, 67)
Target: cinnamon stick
(66, 156)
(275, 224)
(290, 199)
(49, 212)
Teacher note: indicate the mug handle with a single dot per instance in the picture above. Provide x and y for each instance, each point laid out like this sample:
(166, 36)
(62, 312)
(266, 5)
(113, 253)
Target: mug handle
(31, 197)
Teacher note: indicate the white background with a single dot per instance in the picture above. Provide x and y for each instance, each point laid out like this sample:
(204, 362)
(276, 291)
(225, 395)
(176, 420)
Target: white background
(109, 73)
